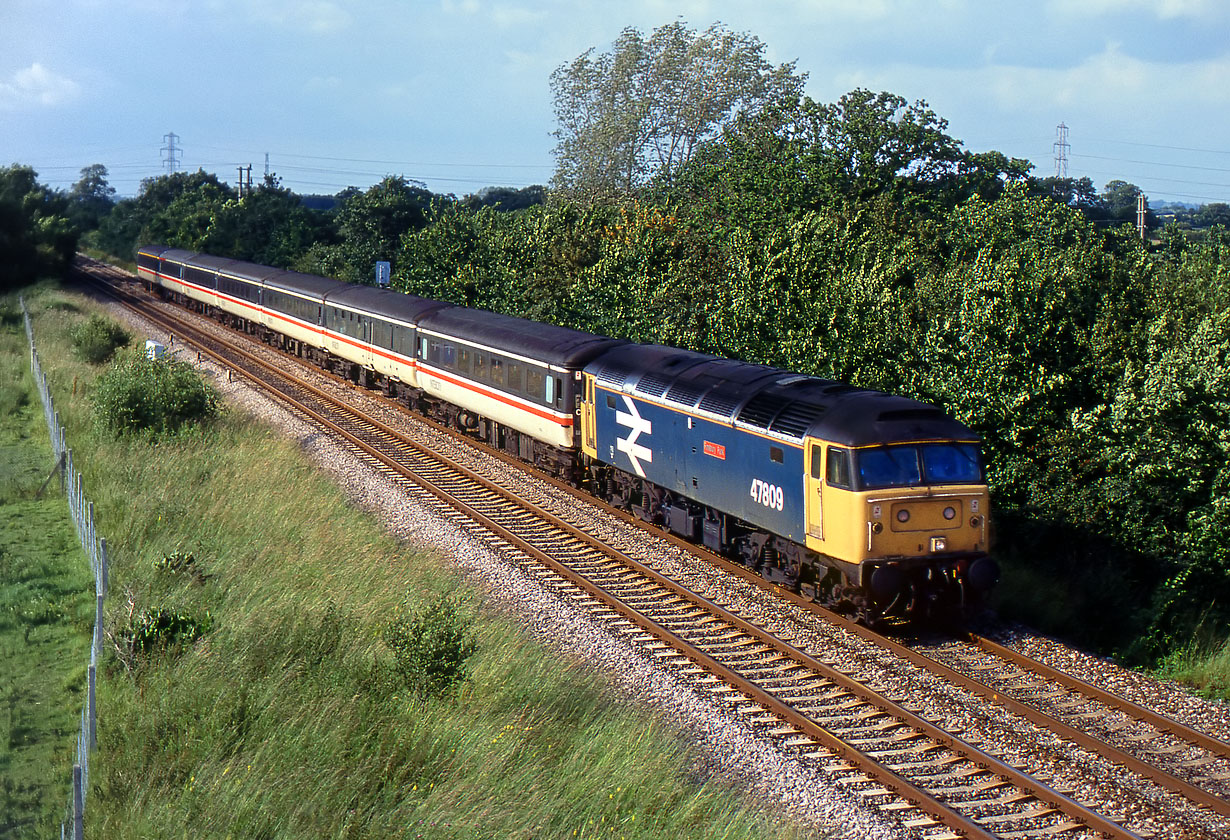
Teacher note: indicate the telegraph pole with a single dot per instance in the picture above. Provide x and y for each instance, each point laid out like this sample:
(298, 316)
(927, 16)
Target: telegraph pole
(1142, 211)
(171, 152)
(266, 164)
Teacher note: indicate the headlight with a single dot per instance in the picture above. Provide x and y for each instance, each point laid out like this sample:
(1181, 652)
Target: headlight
(950, 513)
(975, 521)
(903, 515)
(877, 527)
(939, 544)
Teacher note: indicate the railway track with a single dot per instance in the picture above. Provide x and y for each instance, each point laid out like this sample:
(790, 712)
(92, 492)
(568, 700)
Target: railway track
(883, 747)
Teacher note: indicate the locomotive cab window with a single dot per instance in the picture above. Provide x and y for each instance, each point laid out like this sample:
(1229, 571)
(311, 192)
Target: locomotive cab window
(816, 449)
(838, 474)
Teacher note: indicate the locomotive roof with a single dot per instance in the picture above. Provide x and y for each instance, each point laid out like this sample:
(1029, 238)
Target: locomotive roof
(403, 307)
(775, 400)
(544, 342)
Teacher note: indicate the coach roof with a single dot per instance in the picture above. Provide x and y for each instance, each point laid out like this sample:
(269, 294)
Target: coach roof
(544, 342)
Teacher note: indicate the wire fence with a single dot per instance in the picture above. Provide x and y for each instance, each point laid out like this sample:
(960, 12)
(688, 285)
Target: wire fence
(96, 550)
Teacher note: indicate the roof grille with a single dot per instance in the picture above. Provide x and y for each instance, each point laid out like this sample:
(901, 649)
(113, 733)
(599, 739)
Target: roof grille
(761, 409)
(720, 403)
(653, 384)
(796, 418)
(686, 393)
(614, 378)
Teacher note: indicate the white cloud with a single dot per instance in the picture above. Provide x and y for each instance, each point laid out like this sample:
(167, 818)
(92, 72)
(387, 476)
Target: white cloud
(36, 85)
(321, 17)
(1162, 9)
(508, 16)
(465, 7)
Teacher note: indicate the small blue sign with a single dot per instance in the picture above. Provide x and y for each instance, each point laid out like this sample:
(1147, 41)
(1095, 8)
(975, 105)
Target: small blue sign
(384, 273)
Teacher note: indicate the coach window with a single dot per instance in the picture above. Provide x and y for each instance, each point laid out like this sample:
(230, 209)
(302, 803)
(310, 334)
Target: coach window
(775, 454)
(463, 359)
(838, 474)
(497, 372)
(559, 392)
(550, 388)
(534, 384)
(433, 352)
(480, 366)
(422, 348)
(449, 356)
(515, 381)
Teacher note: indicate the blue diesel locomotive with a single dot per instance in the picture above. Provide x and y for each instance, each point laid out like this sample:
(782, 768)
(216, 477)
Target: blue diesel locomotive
(872, 503)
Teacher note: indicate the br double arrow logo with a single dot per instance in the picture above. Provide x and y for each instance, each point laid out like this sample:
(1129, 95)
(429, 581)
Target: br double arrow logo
(636, 425)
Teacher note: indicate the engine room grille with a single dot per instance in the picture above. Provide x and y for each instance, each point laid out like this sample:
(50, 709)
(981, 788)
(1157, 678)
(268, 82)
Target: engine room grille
(719, 403)
(614, 378)
(796, 419)
(685, 393)
(653, 384)
(761, 409)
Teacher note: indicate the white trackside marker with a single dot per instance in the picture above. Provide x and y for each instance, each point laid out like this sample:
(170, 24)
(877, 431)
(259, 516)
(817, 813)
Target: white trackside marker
(636, 424)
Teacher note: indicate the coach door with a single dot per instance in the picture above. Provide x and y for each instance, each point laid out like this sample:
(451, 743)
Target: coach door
(813, 483)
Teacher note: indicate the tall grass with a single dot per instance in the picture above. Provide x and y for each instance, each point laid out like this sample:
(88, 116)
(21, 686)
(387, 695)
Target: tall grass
(290, 717)
(1204, 667)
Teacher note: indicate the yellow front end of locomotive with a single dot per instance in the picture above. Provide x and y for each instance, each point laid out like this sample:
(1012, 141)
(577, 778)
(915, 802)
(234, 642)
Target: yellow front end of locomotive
(924, 521)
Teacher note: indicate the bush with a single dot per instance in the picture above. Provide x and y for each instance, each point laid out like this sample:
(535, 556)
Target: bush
(157, 395)
(97, 339)
(431, 647)
(159, 630)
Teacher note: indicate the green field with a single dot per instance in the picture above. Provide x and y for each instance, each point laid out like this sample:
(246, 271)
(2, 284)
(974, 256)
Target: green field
(288, 717)
(46, 598)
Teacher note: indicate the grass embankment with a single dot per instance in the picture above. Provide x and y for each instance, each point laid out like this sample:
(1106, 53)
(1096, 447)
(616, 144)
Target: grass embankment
(46, 608)
(288, 718)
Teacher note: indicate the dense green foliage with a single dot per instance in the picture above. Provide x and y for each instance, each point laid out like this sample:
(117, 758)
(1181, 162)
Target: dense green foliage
(158, 396)
(97, 339)
(36, 236)
(431, 646)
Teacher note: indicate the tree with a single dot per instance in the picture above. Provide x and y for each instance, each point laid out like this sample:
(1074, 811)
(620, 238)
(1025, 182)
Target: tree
(506, 199)
(36, 237)
(1119, 202)
(91, 198)
(1216, 213)
(798, 155)
(642, 109)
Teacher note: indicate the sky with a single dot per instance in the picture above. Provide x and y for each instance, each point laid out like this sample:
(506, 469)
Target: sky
(456, 94)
